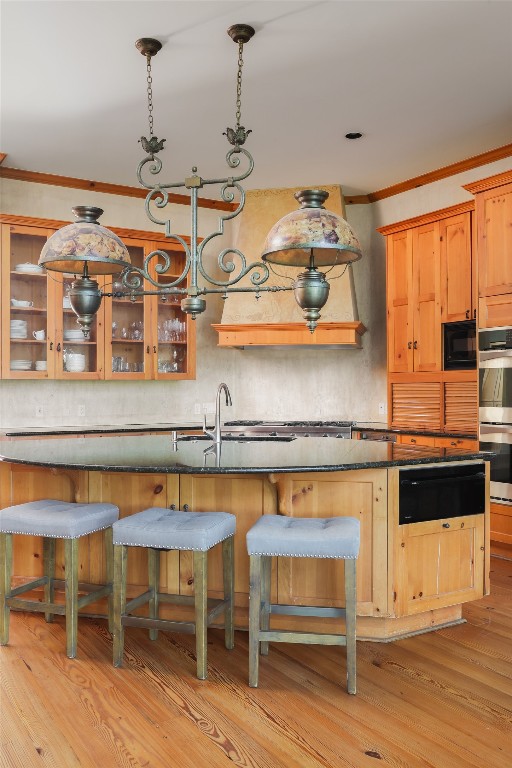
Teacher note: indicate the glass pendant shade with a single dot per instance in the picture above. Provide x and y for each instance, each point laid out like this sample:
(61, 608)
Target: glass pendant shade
(311, 236)
(85, 241)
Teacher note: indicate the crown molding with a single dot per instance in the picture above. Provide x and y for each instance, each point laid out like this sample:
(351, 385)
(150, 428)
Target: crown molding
(491, 182)
(396, 189)
(427, 218)
(441, 173)
(17, 174)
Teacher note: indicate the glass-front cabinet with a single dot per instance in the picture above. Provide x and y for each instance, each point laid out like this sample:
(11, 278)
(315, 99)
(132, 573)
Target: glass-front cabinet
(138, 337)
(27, 313)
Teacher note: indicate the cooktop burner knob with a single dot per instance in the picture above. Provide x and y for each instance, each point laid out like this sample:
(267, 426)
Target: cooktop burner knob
(272, 434)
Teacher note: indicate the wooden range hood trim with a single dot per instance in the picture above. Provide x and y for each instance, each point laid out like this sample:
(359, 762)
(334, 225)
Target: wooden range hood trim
(342, 335)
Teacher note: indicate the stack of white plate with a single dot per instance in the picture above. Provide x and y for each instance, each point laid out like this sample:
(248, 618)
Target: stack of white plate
(21, 365)
(28, 267)
(75, 363)
(72, 335)
(41, 365)
(18, 329)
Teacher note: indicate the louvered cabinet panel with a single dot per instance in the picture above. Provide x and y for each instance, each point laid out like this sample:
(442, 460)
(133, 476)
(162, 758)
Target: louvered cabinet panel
(416, 405)
(461, 406)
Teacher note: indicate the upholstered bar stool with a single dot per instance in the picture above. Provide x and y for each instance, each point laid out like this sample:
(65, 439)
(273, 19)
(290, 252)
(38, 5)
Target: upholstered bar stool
(54, 520)
(158, 529)
(280, 536)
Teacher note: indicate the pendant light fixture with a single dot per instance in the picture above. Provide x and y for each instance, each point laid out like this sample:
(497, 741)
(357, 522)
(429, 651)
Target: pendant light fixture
(310, 237)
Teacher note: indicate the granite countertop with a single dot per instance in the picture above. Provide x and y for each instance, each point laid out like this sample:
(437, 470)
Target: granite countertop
(158, 453)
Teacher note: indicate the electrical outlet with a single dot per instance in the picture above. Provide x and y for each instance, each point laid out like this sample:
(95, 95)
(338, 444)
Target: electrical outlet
(197, 409)
(382, 409)
(39, 411)
(81, 410)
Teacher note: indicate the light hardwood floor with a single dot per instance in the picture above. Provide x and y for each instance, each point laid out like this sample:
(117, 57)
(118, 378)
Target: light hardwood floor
(439, 700)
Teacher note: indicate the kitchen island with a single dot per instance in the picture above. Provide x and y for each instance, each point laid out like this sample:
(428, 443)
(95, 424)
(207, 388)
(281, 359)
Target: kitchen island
(411, 577)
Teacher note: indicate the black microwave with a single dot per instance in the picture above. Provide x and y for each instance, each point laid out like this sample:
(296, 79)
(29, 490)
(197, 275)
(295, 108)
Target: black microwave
(459, 345)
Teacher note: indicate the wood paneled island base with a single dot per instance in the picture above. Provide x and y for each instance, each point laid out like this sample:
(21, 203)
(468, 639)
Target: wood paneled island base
(411, 578)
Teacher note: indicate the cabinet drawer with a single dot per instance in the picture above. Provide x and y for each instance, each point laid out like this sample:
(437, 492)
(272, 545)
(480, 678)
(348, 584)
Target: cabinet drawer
(417, 440)
(456, 442)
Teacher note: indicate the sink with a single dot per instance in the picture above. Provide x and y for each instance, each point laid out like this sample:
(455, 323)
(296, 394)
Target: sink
(240, 438)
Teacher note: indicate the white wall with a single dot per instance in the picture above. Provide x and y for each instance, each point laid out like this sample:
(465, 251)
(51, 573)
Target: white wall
(268, 383)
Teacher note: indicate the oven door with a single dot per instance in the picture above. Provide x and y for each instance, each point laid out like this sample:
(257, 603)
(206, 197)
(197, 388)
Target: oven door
(498, 439)
(495, 388)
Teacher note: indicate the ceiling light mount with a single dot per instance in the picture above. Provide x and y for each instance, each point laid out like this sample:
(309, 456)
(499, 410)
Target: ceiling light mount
(148, 46)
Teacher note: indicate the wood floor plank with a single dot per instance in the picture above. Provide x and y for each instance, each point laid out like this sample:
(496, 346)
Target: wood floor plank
(437, 700)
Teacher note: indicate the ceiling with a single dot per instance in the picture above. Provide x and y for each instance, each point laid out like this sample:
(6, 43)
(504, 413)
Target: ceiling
(427, 83)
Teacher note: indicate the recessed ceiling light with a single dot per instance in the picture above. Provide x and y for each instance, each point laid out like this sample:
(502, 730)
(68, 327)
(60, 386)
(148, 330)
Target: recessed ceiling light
(353, 135)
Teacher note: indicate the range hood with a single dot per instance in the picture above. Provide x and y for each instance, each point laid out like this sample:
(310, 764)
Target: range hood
(275, 319)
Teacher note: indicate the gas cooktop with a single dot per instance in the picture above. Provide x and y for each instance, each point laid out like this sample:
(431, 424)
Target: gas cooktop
(341, 429)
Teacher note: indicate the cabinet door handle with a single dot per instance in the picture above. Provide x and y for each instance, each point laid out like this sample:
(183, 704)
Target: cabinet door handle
(154, 348)
(415, 345)
(147, 349)
(51, 345)
(172, 506)
(58, 347)
(446, 525)
(474, 314)
(413, 439)
(468, 312)
(186, 507)
(409, 345)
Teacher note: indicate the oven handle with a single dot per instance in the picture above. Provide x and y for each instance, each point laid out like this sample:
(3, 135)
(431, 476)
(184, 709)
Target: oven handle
(496, 429)
(490, 354)
(447, 480)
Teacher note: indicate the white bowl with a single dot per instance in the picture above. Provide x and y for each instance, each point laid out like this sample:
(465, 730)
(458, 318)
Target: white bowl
(21, 303)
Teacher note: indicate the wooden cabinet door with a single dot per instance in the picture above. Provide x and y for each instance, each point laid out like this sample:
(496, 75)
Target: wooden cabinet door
(173, 330)
(439, 563)
(129, 352)
(494, 238)
(495, 311)
(317, 581)
(426, 297)
(456, 268)
(246, 496)
(399, 277)
(25, 304)
(133, 493)
(416, 405)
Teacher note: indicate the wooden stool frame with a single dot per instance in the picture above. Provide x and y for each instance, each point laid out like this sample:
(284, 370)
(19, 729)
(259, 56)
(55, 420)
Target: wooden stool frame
(206, 610)
(9, 597)
(260, 609)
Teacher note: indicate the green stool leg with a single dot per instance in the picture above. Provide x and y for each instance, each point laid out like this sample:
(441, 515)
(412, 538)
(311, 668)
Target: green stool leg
(254, 618)
(266, 572)
(119, 596)
(5, 584)
(109, 576)
(228, 564)
(200, 600)
(71, 586)
(350, 622)
(154, 585)
(49, 573)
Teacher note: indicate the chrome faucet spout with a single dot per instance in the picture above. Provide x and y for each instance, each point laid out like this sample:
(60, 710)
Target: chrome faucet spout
(216, 434)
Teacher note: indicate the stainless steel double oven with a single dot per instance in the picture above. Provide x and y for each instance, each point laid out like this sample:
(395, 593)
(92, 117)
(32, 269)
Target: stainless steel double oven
(495, 412)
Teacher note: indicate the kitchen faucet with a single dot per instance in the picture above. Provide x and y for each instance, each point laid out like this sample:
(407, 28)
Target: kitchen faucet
(216, 435)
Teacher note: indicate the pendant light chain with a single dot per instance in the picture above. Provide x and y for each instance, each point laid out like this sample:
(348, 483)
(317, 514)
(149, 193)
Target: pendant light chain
(150, 95)
(238, 113)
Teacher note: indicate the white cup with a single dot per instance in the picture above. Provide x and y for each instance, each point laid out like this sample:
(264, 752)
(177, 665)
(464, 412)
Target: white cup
(39, 335)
